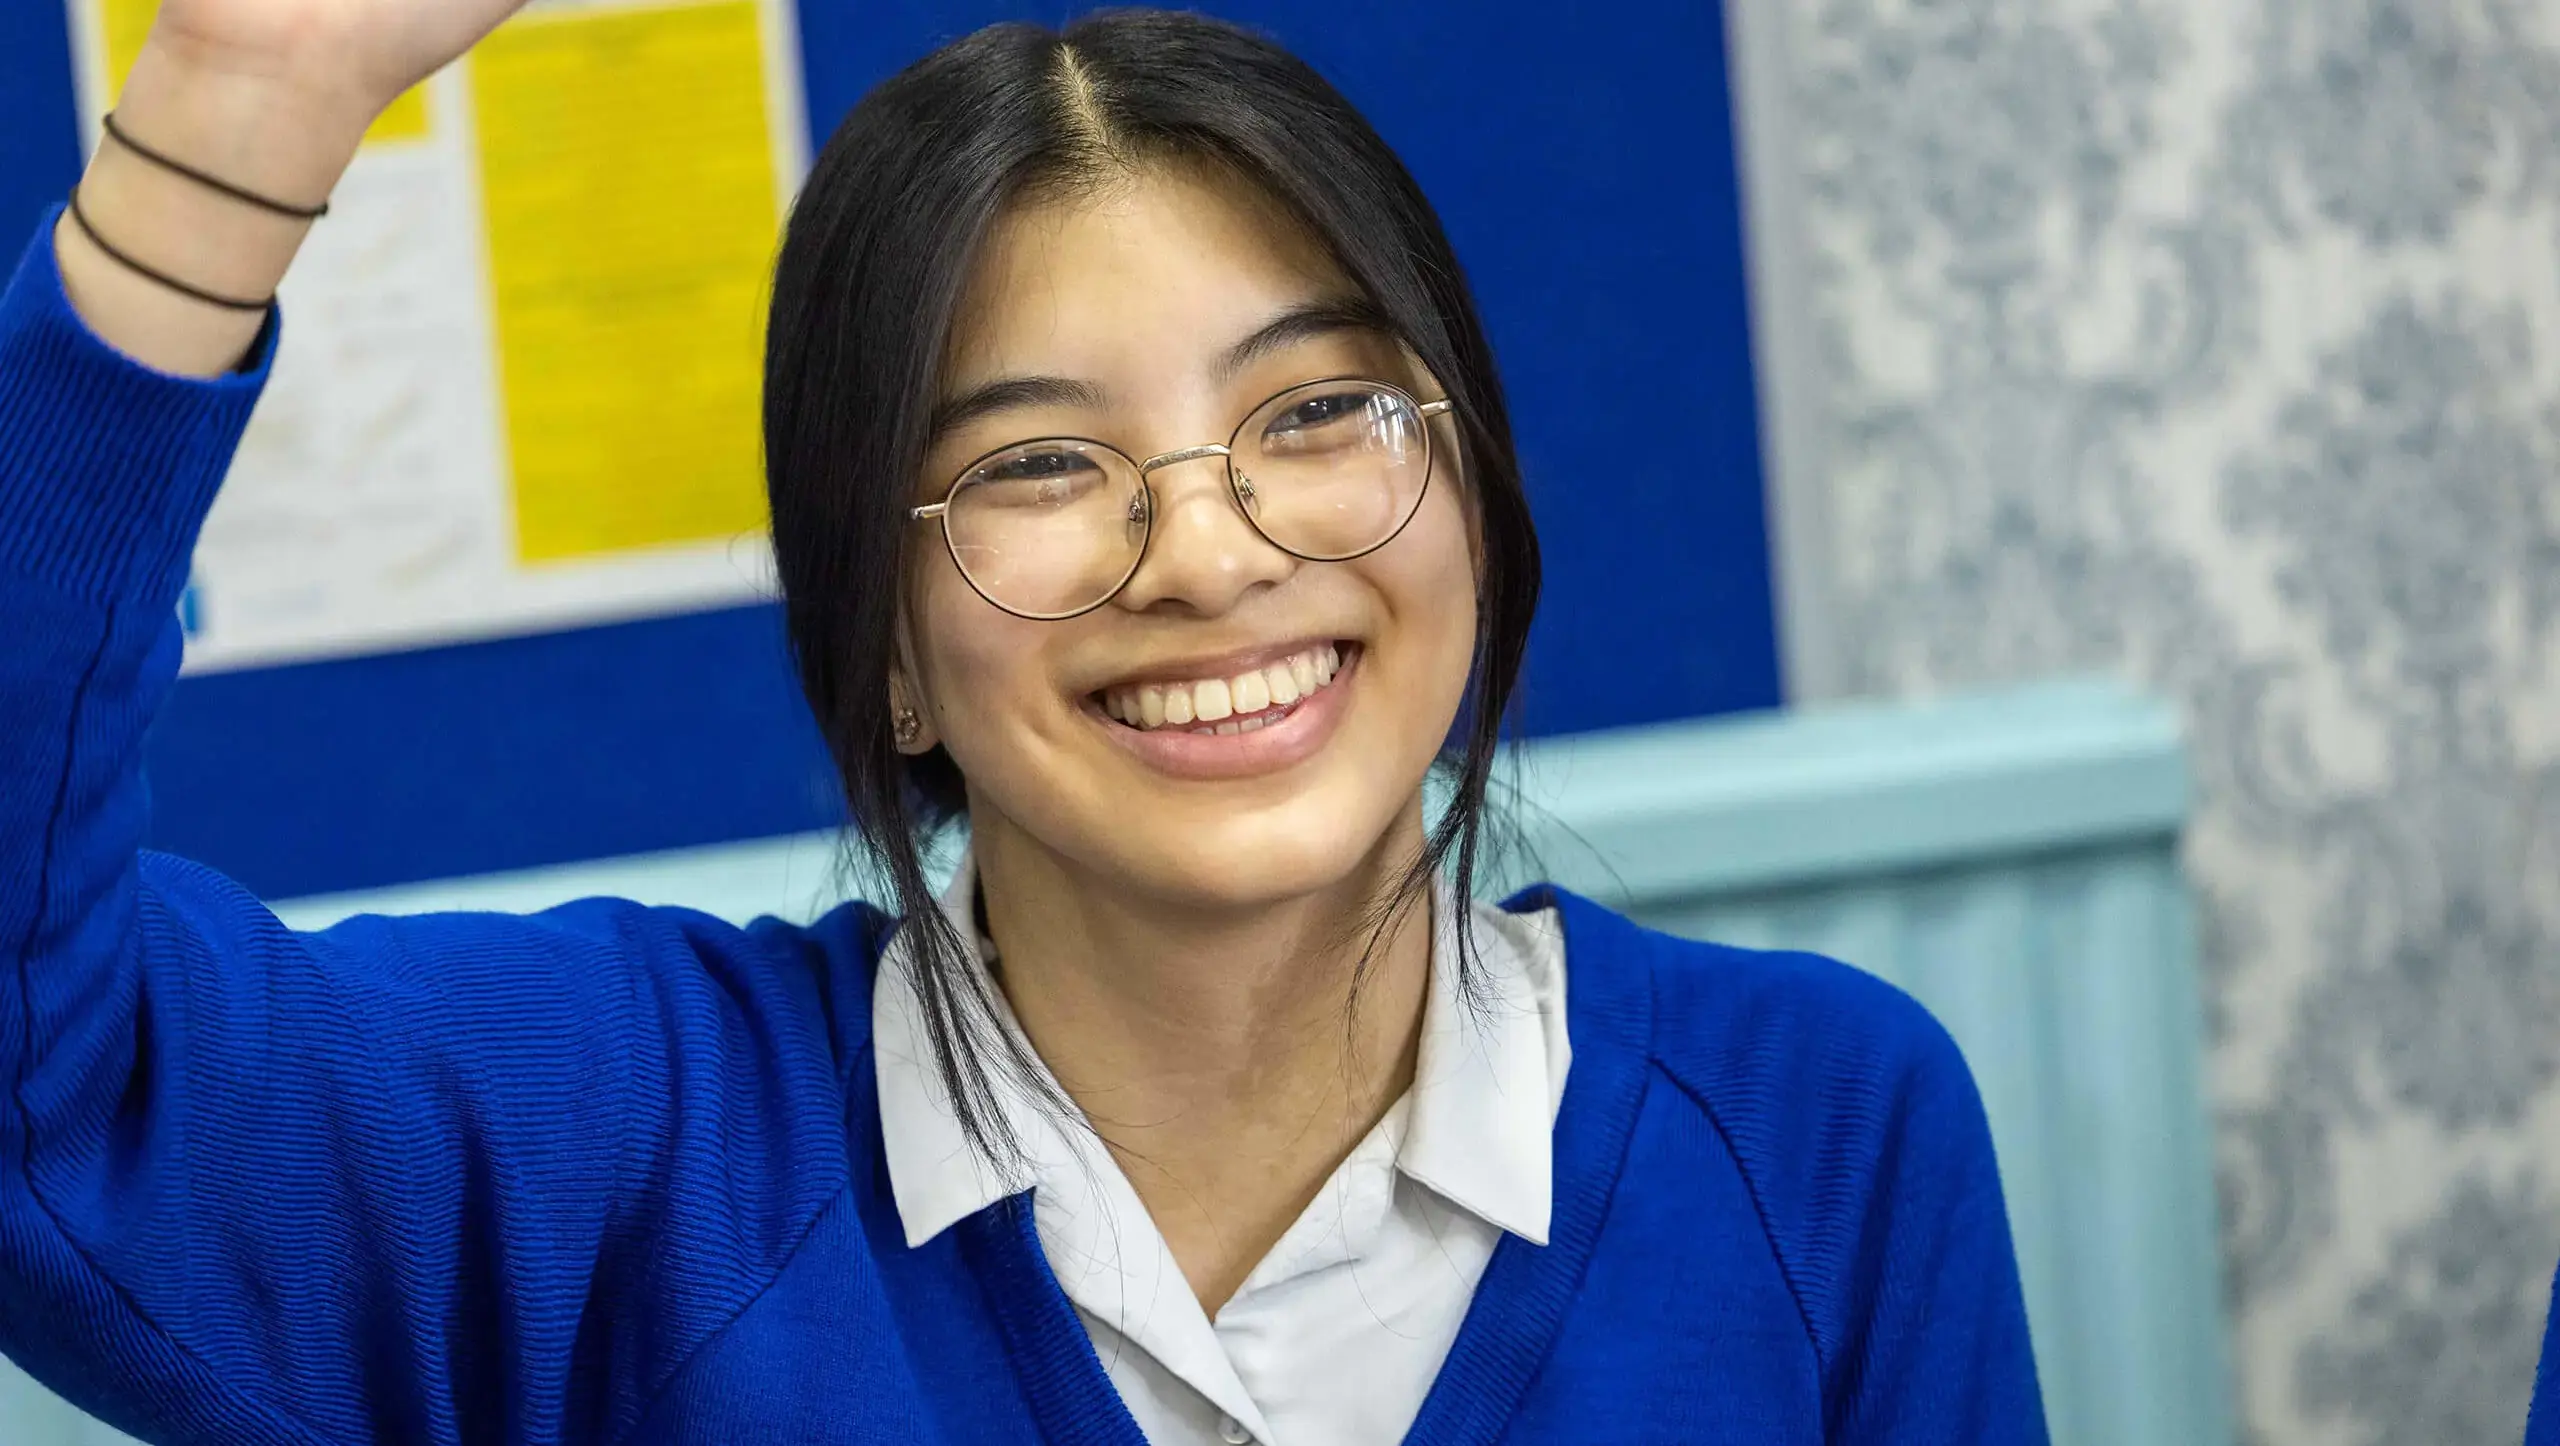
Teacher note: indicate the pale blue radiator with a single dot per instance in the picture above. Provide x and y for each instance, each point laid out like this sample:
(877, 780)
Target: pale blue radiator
(2009, 859)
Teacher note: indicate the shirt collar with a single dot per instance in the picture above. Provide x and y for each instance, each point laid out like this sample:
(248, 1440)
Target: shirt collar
(1486, 1080)
(937, 1175)
(1481, 1112)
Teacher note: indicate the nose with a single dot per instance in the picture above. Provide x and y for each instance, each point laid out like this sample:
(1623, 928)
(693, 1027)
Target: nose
(1202, 554)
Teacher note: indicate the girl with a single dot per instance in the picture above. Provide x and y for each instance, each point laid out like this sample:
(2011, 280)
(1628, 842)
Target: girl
(1143, 494)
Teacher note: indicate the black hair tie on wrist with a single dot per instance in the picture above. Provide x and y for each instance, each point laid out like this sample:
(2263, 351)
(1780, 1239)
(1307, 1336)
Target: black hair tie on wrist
(116, 254)
(201, 178)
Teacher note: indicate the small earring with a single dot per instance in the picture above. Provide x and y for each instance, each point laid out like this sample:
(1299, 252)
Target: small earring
(908, 727)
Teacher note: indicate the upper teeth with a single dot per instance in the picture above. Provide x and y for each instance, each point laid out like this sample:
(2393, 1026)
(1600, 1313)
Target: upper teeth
(1225, 705)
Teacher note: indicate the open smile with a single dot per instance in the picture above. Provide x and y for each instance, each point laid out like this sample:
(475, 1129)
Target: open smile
(1256, 720)
(1240, 704)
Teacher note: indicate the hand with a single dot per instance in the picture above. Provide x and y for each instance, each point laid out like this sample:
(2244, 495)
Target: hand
(348, 56)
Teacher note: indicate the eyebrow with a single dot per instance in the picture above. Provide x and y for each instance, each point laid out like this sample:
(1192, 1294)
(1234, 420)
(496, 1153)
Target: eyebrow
(1008, 393)
(1327, 316)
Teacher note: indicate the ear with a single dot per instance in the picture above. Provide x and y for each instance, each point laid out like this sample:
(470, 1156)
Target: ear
(910, 718)
(908, 701)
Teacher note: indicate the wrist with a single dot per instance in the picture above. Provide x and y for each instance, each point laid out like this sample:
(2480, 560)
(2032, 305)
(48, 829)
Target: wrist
(263, 132)
(260, 128)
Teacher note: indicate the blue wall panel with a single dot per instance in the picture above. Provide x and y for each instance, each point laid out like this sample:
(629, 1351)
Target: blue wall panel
(1586, 171)
(39, 135)
(501, 755)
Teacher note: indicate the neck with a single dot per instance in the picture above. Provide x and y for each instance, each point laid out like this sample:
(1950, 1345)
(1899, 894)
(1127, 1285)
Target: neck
(1229, 1056)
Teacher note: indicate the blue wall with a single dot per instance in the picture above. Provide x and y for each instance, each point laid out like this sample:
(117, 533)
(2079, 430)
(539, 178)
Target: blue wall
(1586, 172)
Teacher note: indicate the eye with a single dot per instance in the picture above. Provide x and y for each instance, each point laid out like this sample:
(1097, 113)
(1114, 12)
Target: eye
(1355, 418)
(1045, 477)
(1033, 466)
(1319, 410)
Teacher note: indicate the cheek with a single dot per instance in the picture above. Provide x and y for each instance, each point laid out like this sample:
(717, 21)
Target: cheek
(977, 663)
(1427, 577)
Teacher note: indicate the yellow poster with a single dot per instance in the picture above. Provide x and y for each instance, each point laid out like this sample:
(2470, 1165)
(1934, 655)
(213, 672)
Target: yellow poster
(628, 191)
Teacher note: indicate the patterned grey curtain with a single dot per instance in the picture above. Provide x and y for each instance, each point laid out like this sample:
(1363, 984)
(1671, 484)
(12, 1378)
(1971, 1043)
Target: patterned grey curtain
(2218, 342)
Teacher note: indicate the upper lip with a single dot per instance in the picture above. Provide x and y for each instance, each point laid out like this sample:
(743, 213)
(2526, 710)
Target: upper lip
(1198, 666)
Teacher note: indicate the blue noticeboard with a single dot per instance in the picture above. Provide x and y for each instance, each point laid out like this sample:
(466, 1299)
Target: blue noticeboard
(1586, 170)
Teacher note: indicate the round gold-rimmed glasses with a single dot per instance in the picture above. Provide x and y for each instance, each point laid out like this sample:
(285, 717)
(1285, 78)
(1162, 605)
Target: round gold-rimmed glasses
(1053, 528)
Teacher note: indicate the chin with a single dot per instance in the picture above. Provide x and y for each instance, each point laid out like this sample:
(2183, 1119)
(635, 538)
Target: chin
(1253, 858)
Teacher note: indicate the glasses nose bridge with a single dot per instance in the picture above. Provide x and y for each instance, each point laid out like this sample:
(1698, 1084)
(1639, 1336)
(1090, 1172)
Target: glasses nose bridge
(1149, 467)
(1239, 491)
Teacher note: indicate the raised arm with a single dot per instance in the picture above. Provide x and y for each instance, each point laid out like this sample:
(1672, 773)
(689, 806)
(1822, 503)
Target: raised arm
(463, 1177)
(271, 96)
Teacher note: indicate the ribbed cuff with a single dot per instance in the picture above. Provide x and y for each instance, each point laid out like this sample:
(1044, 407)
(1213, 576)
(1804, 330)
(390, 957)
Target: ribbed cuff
(107, 467)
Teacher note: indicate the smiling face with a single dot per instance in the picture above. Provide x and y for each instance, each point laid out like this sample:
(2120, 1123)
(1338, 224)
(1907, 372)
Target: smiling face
(1154, 316)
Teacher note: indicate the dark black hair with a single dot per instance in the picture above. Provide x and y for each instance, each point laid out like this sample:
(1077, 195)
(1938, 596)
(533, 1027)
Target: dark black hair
(879, 246)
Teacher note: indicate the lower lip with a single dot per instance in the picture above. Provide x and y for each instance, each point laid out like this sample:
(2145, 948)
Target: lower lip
(1291, 739)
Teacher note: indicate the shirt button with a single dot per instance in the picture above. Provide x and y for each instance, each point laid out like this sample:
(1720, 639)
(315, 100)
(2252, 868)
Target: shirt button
(1232, 1431)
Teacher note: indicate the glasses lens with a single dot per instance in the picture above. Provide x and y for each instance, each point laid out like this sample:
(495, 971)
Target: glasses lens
(1048, 529)
(1333, 469)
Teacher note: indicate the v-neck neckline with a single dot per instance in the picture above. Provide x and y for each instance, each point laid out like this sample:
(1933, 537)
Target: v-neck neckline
(1519, 1305)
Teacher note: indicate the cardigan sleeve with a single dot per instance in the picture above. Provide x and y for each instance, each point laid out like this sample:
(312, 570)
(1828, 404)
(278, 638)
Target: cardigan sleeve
(401, 1180)
(1929, 1324)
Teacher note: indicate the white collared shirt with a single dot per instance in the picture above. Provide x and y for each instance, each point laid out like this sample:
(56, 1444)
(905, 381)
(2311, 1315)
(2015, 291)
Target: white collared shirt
(1336, 1336)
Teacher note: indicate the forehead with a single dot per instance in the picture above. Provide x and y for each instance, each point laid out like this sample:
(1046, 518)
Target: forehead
(1147, 271)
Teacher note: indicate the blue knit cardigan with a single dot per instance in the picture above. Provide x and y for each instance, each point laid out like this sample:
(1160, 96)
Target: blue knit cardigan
(613, 1174)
